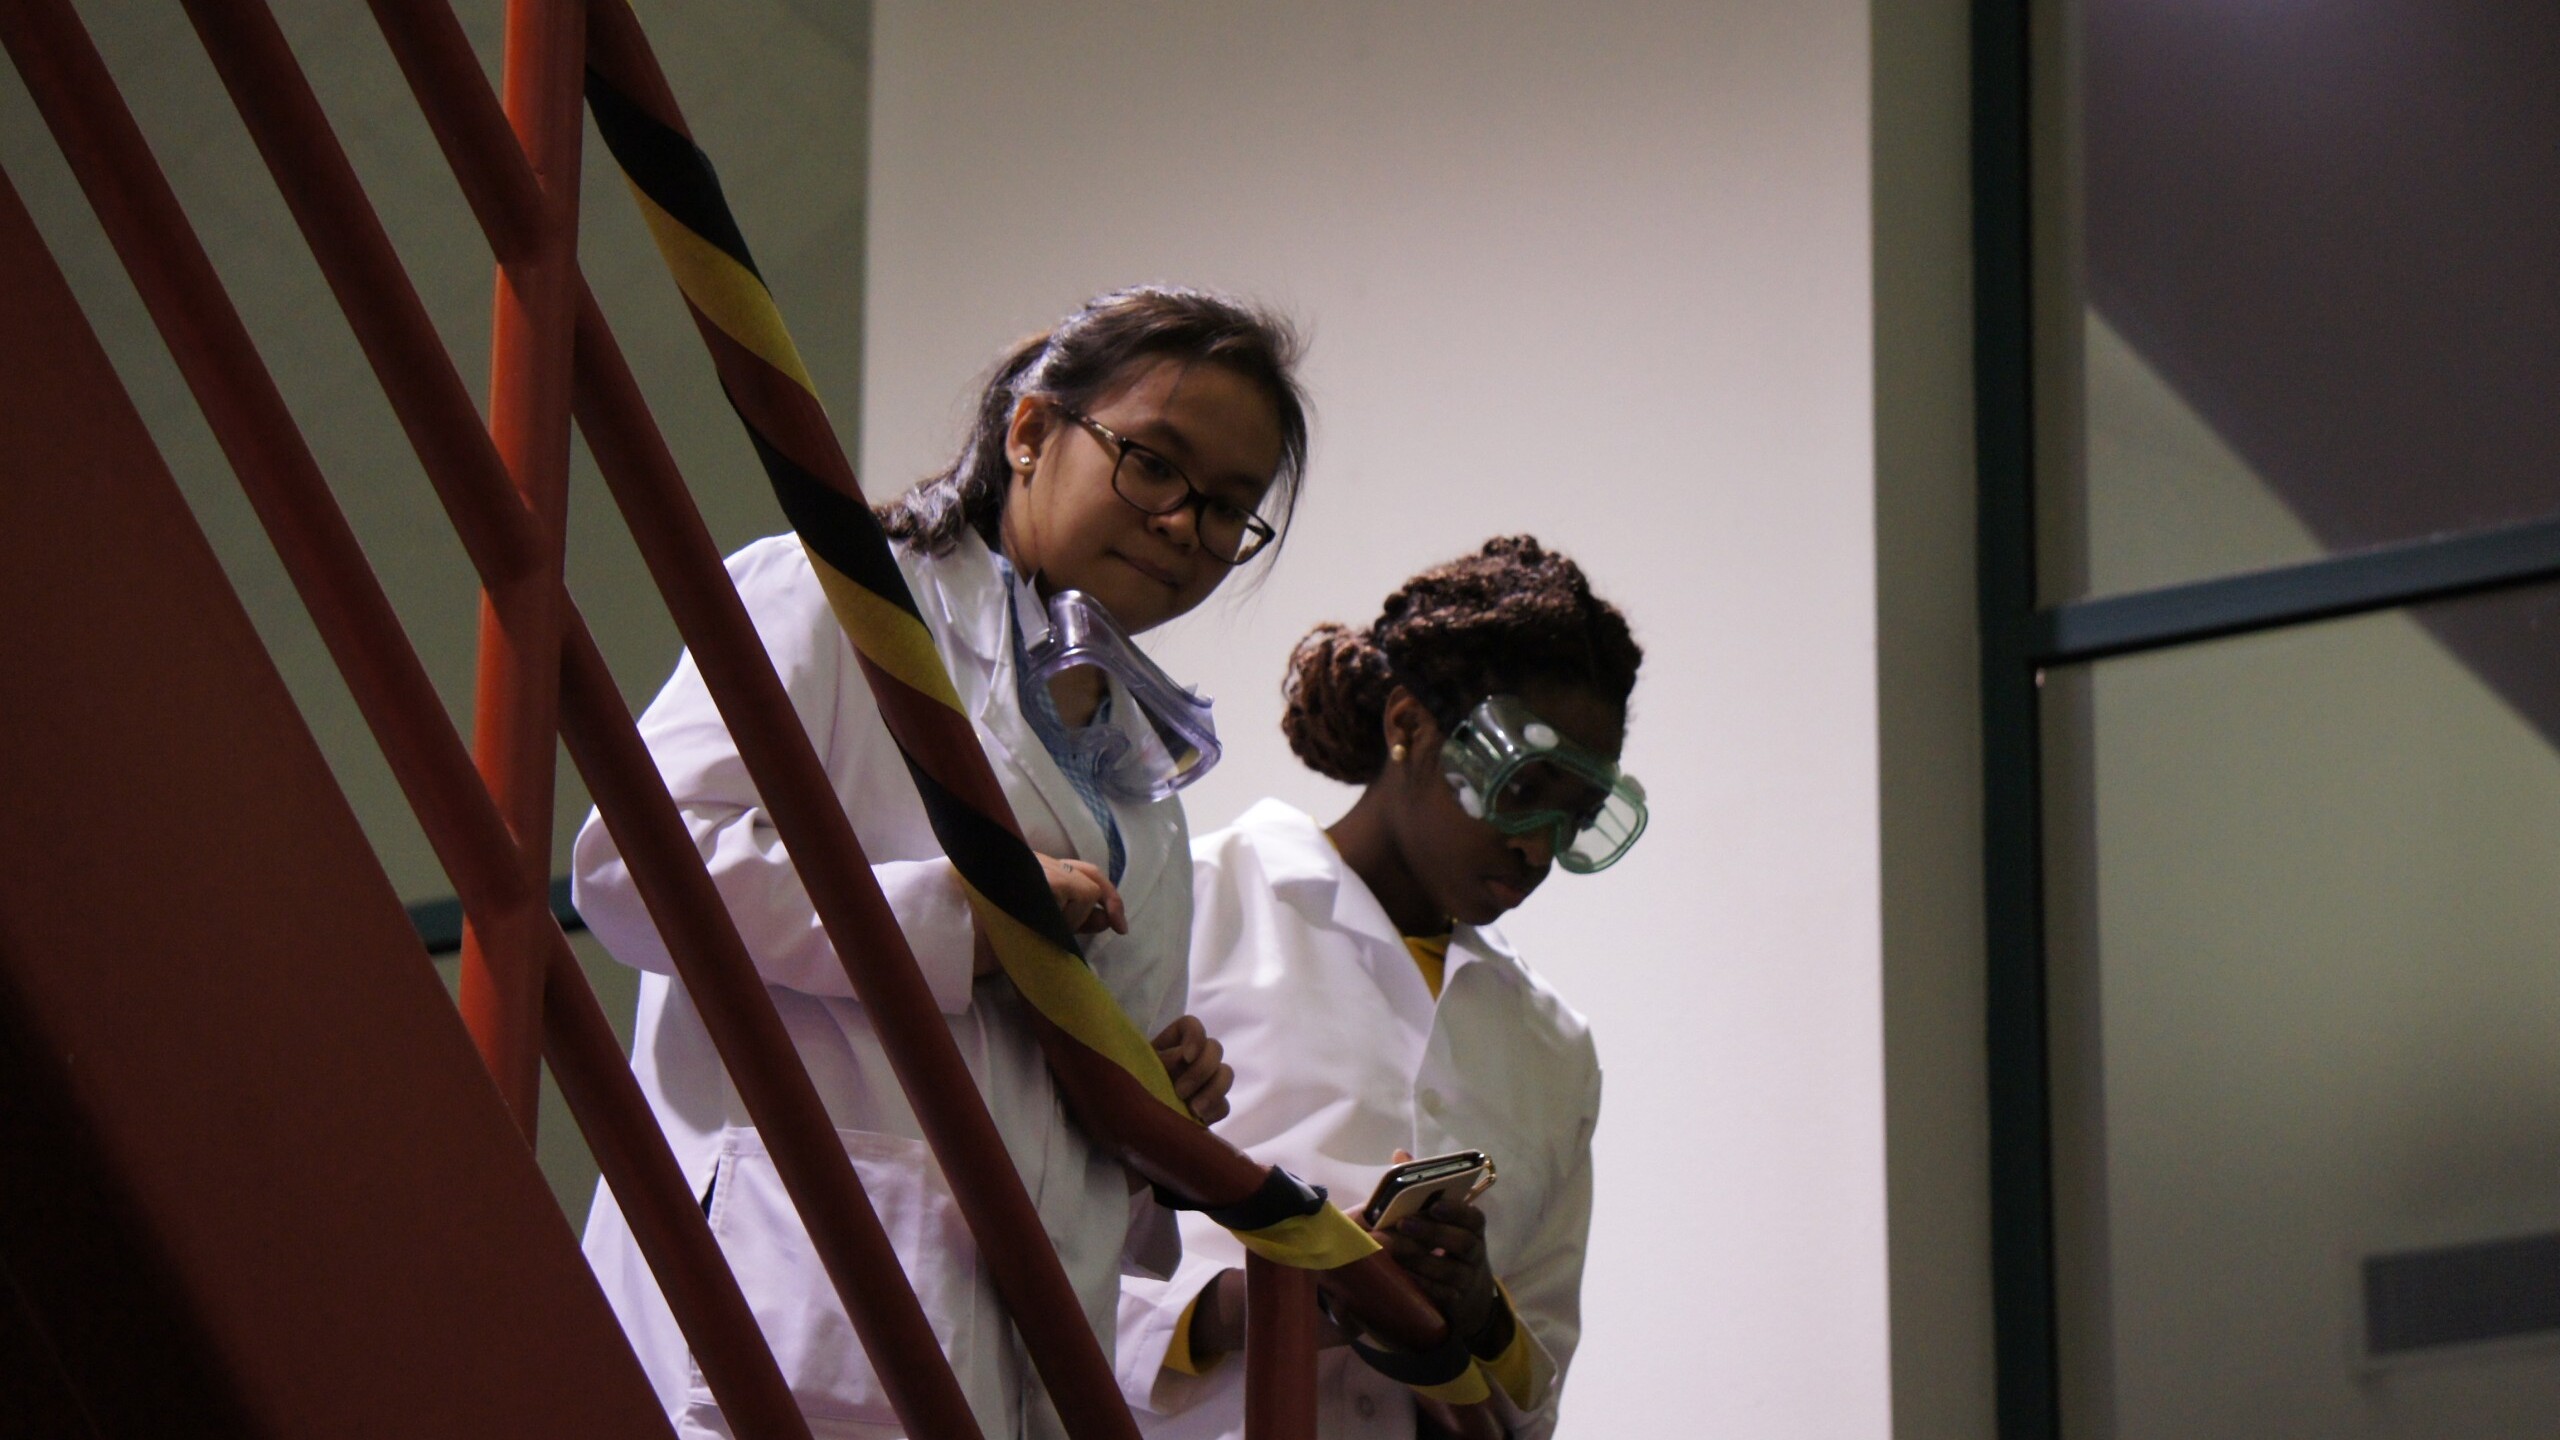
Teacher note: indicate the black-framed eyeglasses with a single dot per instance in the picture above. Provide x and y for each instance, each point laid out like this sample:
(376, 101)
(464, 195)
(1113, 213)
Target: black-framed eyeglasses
(1153, 485)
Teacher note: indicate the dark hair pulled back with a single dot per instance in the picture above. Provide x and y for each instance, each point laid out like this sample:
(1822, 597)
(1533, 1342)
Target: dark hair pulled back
(1513, 614)
(1079, 363)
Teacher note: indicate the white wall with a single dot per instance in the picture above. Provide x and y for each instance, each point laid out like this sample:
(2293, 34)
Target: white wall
(1600, 273)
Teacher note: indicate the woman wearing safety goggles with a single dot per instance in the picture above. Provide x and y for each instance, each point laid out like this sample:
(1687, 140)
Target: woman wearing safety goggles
(1372, 1012)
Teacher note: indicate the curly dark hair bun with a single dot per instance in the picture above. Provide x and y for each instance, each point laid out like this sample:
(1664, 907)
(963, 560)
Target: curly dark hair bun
(1513, 614)
(1335, 676)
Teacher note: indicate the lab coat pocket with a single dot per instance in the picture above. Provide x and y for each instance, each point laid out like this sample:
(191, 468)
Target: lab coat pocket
(794, 1302)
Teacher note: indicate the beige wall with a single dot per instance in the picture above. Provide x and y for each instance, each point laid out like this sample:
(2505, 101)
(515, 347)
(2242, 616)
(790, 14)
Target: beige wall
(1928, 724)
(1600, 273)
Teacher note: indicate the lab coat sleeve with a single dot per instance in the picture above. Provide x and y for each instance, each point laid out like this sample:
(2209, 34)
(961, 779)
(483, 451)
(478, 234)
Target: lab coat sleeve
(736, 836)
(1545, 1280)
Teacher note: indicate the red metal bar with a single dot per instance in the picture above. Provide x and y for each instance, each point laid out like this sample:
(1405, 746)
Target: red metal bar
(735, 1007)
(284, 484)
(1280, 1351)
(285, 120)
(516, 716)
(666, 1221)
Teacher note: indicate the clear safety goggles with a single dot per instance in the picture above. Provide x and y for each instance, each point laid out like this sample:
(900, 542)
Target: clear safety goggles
(1176, 744)
(1516, 773)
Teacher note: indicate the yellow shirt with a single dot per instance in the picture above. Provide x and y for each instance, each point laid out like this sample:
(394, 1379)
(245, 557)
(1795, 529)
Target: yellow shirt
(1431, 956)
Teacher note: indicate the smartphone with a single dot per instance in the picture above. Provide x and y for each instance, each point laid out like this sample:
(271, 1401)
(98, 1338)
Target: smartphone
(1416, 1183)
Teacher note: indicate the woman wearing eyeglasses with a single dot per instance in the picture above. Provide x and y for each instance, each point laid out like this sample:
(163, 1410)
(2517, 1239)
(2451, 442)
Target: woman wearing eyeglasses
(1118, 469)
(1375, 1014)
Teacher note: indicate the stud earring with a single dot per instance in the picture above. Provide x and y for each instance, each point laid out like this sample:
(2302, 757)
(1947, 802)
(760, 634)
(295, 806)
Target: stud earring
(1025, 461)
(1395, 752)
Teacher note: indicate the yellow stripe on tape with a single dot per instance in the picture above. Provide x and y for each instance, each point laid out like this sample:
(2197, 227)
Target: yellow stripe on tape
(1065, 990)
(887, 636)
(1326, 1240)
(726, 291)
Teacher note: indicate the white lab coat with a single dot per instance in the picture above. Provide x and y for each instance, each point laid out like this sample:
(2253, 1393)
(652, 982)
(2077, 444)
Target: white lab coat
(1083, 1197)
(1341, 1058)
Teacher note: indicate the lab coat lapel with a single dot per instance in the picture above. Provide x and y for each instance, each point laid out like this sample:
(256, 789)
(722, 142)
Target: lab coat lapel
(968, 592)
(1382, 951)
(1149, 830)
(1471, 947)
(1310, 873)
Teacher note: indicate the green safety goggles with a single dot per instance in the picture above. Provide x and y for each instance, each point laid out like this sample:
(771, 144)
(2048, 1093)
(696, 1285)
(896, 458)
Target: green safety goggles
(1513, 771)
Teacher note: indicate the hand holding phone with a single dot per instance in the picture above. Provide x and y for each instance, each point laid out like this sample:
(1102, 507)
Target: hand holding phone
(1441, 1250)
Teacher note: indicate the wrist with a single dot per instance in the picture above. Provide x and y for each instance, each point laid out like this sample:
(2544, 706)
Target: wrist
(1493, 1335)
(1217, 1322)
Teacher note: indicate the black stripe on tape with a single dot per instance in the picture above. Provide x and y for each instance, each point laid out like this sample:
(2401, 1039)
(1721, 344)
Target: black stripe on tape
(992, 859)
(838, 526)
(1283, 1196)
(670, 169)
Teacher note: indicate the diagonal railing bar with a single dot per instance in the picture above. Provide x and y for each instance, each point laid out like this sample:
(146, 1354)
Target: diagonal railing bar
(515, 715)
(356, 258)
(143, 220)
(504, 543)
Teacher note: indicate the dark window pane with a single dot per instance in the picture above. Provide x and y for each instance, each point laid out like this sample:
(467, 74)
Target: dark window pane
(2323, 311)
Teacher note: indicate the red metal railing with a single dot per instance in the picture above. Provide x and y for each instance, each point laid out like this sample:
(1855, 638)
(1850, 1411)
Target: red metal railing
(503, 487)
(516, 714)
(143, 220)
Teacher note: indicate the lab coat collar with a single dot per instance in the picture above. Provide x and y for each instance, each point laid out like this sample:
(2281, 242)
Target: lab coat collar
(963, 592)
(968, 588)
(1298, 859)
(969, 593)
(1472, 946)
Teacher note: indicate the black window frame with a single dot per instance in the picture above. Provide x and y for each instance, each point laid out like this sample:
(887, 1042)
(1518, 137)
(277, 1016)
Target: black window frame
(2020, 639)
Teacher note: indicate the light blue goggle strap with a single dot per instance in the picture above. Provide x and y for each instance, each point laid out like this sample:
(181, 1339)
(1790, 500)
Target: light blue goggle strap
(1179, 742)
